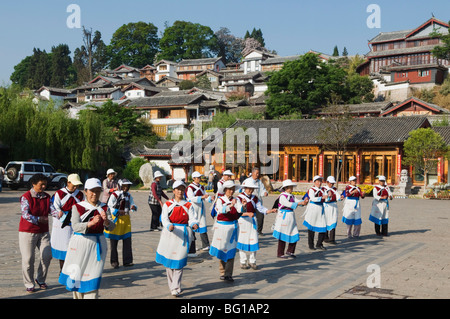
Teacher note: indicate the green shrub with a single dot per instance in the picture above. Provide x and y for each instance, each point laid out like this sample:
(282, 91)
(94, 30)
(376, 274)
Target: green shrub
(131, 171)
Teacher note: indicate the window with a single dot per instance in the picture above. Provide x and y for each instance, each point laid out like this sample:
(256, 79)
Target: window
(38, 168)
(423, 73)
(49, 169)
(163, 67)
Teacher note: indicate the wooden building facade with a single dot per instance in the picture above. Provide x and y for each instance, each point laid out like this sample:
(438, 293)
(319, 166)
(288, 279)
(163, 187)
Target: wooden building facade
(375, 148)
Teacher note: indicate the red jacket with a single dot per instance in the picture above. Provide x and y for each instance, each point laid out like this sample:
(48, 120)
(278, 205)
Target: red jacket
(232, 215)
(38, 207)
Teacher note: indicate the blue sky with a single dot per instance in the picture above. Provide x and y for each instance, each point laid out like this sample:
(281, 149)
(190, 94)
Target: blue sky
(289, 26)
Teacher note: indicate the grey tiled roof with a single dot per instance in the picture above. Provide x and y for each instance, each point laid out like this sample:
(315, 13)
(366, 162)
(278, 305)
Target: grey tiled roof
(199, 61)
(280, 59)
(155, 101)
(390, 36)
(444, 131)
(373, 107)
(365, 131)
(425, 48)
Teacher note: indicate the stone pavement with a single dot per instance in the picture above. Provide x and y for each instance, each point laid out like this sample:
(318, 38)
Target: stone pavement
(413, 261)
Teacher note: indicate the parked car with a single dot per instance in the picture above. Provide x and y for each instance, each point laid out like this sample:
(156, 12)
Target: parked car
(18, 174)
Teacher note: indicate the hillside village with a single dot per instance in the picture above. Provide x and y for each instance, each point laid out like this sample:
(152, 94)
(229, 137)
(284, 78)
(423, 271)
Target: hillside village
(400, 65)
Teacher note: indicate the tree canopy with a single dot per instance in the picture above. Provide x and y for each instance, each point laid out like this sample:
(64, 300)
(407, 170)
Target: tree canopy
(307, 83)
(422, 149)
(135, 44)
(187, 40)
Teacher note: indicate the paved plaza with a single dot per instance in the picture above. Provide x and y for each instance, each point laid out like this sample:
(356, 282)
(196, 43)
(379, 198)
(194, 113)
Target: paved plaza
(413, 262)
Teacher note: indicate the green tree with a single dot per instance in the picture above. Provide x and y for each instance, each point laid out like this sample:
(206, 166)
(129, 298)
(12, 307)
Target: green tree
(359, 89)
(40, 130)
(134, 44)
(39, 69)
(335, 51)
(131, 171)
(21, 74)
(345, 52)
(257, 35)
(422, 149)
(187, 40)
(203, 82)
(123, 121)
(302, 85)
(60, 66)
(186, 85)
(442, 51)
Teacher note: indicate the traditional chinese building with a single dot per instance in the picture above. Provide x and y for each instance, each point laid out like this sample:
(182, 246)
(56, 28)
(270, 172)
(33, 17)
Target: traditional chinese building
(414, 106)
(375, 148)
(189, 69)
(405, 51)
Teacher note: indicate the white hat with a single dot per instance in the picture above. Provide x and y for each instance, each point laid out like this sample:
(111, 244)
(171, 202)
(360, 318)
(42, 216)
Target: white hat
(178, 183)
(249, 183)
(124, 182)
(92, 183)
(287, 183)
(158, 174)
(227, 172)
(382, 178)
(110, 171)
(317, 177)
(330, 179)
(229, 184)
(352, 178)
(74, 179)
(196, 174)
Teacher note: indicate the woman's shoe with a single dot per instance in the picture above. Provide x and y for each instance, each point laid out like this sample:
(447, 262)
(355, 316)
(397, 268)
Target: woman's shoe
(42, 286)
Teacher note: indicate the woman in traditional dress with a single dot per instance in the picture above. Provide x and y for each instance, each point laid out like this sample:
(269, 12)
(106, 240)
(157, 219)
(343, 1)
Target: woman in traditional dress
(226, 230)
(196, 195)
(86, 253)
(177, 218)
(315, 219)
(351, 212)
(331, 210)
(285, 229)
(121, 204)
(226, 176)
(379, 214)
(62, 231)
(248, 234)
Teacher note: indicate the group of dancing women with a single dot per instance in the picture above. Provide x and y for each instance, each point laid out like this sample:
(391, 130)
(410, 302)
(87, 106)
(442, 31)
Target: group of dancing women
(82, 222)
(235, 224)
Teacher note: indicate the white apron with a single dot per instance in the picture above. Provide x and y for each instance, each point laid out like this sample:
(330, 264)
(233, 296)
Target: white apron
(248, 234)
(173, 246)
(351, 212)
(59, 240)
(85, 259)
(224, 242)
(315, 213)
(199, 208)
(331, 210)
